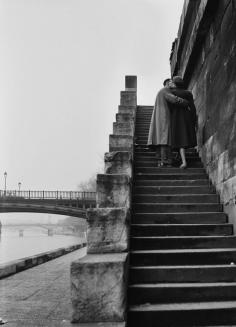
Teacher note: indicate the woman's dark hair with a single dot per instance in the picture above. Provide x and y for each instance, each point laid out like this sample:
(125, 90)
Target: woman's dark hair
(179, 82)
(166, 81)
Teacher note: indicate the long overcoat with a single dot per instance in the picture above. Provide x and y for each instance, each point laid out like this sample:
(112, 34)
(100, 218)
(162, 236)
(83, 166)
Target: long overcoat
(160, 126)
(183, 121)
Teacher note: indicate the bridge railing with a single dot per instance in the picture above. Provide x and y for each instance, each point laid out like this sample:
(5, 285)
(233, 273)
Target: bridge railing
(57, 195)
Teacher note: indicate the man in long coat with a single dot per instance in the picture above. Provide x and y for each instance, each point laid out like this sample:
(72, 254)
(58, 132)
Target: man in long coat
(160, 126)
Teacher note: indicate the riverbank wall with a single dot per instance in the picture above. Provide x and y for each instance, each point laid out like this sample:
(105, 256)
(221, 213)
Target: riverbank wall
(16, 266)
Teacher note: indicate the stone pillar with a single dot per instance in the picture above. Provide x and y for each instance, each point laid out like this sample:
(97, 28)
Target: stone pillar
(99, 280)
(131, 83)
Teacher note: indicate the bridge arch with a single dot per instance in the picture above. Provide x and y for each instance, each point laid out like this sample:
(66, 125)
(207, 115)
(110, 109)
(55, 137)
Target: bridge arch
(39, 208)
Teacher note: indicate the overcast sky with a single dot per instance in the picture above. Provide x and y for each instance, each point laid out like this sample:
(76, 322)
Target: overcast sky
(62, 65)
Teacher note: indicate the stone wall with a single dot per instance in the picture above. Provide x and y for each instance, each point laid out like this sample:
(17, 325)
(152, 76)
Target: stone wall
(99, 280)
(205, 55)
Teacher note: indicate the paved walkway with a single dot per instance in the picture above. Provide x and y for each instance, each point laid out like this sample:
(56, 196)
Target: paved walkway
(39, 296)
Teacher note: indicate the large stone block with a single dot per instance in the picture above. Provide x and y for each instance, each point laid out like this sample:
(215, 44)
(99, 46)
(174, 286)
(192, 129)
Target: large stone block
(128, 98)
(121, 143)
(127, 110)
(123, 128)
(125, 117)
(108, 230)
(131, 83)
(118, 162)
(113, 190)
(99, 287)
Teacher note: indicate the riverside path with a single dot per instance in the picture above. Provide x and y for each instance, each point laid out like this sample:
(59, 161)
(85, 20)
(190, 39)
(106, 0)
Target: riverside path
(39, 296)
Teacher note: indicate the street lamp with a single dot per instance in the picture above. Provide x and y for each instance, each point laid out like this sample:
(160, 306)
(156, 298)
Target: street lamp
(19, 185)
(5, 186)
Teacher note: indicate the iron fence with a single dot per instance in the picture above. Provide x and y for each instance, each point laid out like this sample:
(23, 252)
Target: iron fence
(57, 195)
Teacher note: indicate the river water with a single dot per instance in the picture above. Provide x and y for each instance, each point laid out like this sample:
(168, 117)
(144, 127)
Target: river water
(17, 245)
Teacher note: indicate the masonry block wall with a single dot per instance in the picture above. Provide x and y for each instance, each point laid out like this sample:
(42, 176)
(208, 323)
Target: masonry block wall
(99, 280)
(205, 55)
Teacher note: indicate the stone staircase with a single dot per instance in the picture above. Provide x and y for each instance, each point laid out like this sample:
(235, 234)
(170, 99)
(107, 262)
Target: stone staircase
(183, 251)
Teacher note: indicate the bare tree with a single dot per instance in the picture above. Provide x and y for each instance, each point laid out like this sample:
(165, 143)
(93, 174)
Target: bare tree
(88, 185)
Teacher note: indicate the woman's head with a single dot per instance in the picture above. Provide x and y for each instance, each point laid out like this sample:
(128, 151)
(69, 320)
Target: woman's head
(178, 81)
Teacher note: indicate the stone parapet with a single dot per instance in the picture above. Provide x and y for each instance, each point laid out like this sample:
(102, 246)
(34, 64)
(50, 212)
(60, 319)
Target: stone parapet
(121, 143)
(127, 110)
(108, 230)
(128, 98)
(125, 118)
(98, 284)
(131, 83)
(123, 128)
(113, 190)
(118, 162)
(99, 281)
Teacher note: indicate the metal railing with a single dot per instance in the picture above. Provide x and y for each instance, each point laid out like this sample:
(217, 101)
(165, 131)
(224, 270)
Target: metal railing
(56, 195)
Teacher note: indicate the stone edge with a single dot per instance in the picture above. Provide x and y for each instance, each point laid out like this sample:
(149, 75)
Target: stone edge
(16, 266)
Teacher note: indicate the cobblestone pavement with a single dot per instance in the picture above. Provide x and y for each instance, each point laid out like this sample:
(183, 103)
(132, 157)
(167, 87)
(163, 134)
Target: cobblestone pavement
(39, 296)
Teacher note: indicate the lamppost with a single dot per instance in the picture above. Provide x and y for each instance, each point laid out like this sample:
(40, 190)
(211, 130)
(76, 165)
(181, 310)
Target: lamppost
(5, 186)
(19, 185)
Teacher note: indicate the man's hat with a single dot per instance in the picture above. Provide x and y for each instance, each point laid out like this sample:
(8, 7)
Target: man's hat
(178, 80)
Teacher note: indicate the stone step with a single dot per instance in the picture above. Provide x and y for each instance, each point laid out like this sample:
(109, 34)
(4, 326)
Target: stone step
(176, 198)
(173, 190)
(171, 170)
(180, 218)
(142, 124)
(152, 161)
(183, 257)
(141, 118)
(183, 182)
(146, 161)
(181, 292)
(191, 163)
(144, 121)
(143, 152)
(183, 314)
(182, 175)
(144, 113)
(193, 151)
(181, 229)
(182, 242)
(181, 274)
(176, 207)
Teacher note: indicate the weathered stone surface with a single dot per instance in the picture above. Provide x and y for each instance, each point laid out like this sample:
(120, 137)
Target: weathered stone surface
(121, 143)
(125, 118)
(123, 128)
(98, 286)
(128, 98)
(118, 162)
(113, 190)
(127, 110)
(130, 83)
(108, 230)
(205, 55)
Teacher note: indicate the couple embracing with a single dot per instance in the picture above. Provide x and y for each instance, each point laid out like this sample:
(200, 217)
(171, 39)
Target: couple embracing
(174, 122)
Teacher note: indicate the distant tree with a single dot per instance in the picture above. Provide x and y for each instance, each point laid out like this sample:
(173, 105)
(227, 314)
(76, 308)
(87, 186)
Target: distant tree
(88, 185)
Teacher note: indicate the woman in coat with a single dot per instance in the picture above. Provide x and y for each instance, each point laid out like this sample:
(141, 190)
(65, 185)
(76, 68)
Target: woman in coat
(183, 121)
(160, 126)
